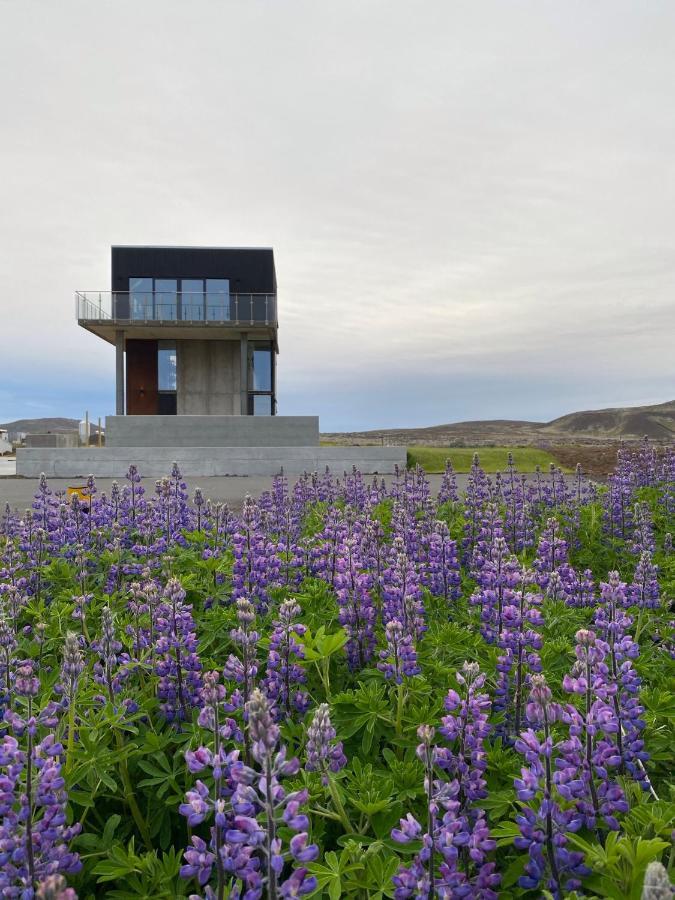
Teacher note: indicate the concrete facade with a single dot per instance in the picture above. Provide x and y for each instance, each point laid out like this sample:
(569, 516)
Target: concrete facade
(208, 378)
(211, 431)
(155, 462)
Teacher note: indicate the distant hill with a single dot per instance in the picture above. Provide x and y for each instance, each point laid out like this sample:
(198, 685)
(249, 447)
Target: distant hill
(42, 426)
(592, 426)
(624, 423)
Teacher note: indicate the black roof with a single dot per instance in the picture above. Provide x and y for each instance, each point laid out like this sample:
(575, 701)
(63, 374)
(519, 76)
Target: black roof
(249, 269)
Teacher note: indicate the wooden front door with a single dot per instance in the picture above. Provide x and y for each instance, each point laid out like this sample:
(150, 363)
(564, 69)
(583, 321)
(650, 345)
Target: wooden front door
(142, 396)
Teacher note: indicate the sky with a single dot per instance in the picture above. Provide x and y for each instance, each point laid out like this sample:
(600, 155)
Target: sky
(471, 204)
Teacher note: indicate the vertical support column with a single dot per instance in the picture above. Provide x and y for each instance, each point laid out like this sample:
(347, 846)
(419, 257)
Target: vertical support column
(243, 383)
(274, 379)
(119, 373)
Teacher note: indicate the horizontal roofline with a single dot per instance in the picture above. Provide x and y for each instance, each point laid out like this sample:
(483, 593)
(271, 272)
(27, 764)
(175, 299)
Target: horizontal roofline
(179, 247)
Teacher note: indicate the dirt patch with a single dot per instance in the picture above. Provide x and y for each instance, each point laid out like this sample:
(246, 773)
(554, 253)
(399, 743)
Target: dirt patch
(595, 459)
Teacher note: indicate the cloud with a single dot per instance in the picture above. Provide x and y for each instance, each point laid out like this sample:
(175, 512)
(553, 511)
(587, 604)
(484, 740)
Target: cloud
(459, 195)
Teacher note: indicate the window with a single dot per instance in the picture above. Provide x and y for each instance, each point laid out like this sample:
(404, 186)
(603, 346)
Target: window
(217, 299)
(166, 298)
(262, 369)
(140, 298)
(260, 379)
(166, 365)
(192, 299)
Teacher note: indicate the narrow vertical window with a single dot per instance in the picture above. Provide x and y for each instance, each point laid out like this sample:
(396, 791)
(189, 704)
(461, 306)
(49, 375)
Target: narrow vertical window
(166, 378)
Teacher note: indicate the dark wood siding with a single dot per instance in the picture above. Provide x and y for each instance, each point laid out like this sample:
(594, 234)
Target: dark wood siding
(250, 269)
(142, 397)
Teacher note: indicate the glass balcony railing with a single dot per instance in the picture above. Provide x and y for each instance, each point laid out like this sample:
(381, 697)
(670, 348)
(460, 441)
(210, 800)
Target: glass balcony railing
(177, 307)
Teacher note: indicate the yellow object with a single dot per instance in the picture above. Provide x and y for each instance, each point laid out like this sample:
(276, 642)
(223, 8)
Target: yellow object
(80, 492)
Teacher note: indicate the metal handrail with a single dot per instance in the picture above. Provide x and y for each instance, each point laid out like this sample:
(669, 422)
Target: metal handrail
(141, 307)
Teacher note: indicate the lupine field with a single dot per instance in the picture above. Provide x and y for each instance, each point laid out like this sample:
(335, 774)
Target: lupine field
(344, 690)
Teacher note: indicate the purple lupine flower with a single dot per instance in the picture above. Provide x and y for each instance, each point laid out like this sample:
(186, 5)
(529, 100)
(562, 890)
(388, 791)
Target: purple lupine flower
(243, 667)
(34, 836)
(477, 495)
(498, 579)
(357, 613)
(402, 593)
(111, 669)
(283, 672)
(518, 518)
(399, 659)
(141, 612)
(455, 839)
(177, 662)
(72, 666)
(256, 564)
(373, 551)
(551, 551)
(643, 530)
(490, 533)
(521, 640)
(612, 623)
(324, 753)
(260, 794)
(448, 489)
(543, 822)
(442, 572)
(617, 505)
(579, 589)
(466, 726)
(589, 754)
(233, 863)
(644, 592)
(329, 540)
(8, 646)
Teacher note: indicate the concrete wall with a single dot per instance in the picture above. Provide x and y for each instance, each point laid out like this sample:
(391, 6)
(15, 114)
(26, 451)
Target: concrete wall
(54, 439)
(154, 462)
(208, 378)
(211, 431)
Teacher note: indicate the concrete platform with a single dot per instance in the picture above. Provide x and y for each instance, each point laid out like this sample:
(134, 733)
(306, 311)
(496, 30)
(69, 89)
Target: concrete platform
(212, 431)
(154, 462)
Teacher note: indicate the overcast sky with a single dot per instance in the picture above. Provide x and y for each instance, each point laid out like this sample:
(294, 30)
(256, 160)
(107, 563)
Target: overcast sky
(472, 205)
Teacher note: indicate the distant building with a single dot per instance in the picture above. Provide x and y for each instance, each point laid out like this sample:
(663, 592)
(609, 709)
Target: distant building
(195, 332)
(5, 442)
(195, 329)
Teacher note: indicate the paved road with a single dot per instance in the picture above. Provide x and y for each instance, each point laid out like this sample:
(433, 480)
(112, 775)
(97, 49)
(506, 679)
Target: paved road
(18, 492)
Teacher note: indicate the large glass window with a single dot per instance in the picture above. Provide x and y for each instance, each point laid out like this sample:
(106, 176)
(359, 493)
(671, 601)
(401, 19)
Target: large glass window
(192, 299)
(158, 299)
(262, 369)
(140, 298)
(217, 299)
(260, 379)
(166, 298)
(166, 365)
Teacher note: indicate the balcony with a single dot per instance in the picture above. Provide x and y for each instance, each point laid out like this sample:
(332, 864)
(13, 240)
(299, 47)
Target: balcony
(97, 309)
